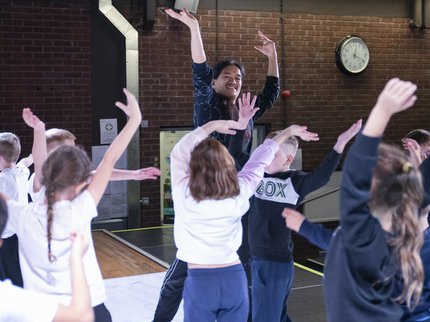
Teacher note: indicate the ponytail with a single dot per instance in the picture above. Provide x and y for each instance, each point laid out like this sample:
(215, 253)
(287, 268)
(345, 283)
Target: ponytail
(407, 241)
(397, 188)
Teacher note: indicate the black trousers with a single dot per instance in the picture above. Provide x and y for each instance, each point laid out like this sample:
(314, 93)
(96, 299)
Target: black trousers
(171, 291)
(9, 261)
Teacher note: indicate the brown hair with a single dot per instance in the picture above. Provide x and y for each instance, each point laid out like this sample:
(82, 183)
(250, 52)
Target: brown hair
(422, 137)
(56, 137)
(65, 167)
(10, 147)
(397, 187)
(213, 173)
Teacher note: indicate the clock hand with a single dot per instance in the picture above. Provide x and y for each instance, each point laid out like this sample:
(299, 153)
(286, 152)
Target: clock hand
(362, 59)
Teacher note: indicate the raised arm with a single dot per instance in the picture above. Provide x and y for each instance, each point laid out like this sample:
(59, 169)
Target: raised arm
(103, 172)
(355, 191)
(39, 150)
(181, 153)
(253, 171)
(396, 96)
(415, 155)
(197, 50)
(26, 161)
(80, 309)
(296, 130)
(268, 48)
(346, 136)
(246, 112)
(150, 173)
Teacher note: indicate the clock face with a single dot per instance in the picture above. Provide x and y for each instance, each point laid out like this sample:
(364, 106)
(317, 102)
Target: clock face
(352, 55)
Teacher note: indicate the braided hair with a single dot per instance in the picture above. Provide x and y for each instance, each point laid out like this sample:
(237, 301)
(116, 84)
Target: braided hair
(65, 168)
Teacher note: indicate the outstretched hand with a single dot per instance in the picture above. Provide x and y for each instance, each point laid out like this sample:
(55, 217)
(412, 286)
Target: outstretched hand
(416, 157)
(246, 109)
(268, 46)
(185, 16)
(296, 130)
(150, 173)
(346, 136)
(396, 96)
(303, 133)
(32, 120)
(222, 126)
(227, 126)
(132, 108)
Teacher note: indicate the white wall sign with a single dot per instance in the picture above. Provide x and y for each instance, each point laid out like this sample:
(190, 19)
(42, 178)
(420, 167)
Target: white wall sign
(108, 130)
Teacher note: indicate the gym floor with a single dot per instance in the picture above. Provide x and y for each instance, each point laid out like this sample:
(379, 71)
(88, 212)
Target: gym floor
(133, 296)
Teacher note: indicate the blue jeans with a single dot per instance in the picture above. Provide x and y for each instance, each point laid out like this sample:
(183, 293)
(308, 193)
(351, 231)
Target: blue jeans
(171, 291)
(271, 285)
(216, 294)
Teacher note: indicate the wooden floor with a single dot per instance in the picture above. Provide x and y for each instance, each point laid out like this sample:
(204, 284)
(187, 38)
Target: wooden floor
(116, 259)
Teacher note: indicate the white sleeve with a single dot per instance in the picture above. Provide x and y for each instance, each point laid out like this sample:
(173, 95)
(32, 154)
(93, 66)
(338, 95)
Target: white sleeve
(14, 209)
(9, 187)
(22, 305)
(181, 154)
(35, 196)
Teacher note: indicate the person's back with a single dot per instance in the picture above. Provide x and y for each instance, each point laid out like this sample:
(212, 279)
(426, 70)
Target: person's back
(14, 184)
(22, 305)
(360, 261)
(70, 203)
(379, 235)
(13, 176)
(30, 223)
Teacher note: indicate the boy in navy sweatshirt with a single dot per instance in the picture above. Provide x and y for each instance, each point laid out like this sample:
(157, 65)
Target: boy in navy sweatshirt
(269, 240)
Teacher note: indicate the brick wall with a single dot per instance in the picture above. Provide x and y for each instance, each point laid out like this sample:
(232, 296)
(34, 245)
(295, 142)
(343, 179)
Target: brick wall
(45, 65)
(323, 98)
(45, 56)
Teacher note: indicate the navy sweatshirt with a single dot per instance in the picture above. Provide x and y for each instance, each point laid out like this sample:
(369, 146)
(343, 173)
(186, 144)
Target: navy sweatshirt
(316, 234)
(268, 236)
(359, 276)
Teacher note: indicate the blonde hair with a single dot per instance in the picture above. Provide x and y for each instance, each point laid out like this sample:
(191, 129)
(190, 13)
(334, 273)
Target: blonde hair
(397, 187)
(56, 137)
(213, 172)
(10, 147)
(289, 146)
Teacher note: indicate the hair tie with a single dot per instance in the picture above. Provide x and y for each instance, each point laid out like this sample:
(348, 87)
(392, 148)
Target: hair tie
(407, 166)
(52, 258)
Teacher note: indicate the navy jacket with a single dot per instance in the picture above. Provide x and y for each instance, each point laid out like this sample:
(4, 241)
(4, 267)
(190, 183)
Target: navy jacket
(316, 234)
(268, 236)
(207, 109)
(359, 276)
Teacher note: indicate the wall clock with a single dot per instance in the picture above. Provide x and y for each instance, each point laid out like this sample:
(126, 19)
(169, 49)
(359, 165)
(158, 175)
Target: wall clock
(352, 55)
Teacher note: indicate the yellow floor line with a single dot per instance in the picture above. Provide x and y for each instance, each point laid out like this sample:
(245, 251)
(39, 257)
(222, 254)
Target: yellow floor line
(169, 226)
(138, 229)
(309, 269)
